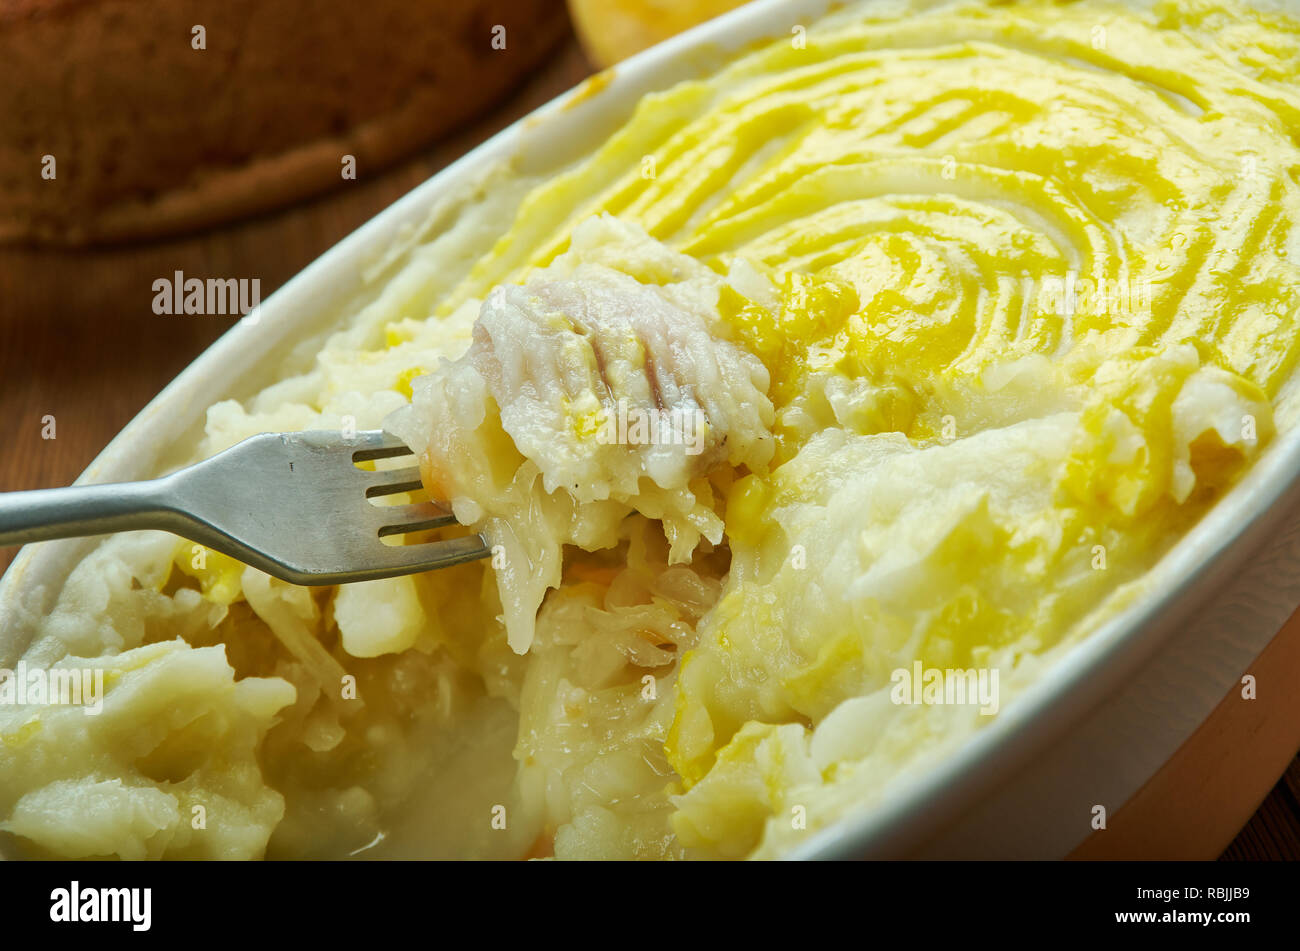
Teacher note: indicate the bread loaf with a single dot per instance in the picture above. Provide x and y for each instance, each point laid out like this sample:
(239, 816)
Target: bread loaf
(132, 118)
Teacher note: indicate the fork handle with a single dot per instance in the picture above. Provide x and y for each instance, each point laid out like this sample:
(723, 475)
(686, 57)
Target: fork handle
(43, 514)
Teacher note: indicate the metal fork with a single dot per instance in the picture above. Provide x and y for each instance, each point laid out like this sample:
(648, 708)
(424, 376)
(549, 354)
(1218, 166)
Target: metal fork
(292, 504)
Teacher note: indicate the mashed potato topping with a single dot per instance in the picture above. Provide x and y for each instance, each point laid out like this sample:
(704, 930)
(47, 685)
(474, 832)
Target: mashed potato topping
(945, 320)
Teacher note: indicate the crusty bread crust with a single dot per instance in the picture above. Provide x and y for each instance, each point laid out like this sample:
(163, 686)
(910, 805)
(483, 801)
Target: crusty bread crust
(151, 136)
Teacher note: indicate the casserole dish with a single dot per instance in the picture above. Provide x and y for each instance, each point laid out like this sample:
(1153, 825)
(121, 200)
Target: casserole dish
(1086, 734)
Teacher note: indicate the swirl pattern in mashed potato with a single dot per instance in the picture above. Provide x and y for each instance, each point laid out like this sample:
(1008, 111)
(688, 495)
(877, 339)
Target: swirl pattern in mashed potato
(991, 302)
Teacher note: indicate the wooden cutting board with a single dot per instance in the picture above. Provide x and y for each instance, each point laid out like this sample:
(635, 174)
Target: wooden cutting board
(81, 346)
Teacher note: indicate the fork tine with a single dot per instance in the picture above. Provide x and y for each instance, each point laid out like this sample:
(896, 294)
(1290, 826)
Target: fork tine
(430, 555)
(392, 560)
(400, 519)
(377, 444)
(392, 481)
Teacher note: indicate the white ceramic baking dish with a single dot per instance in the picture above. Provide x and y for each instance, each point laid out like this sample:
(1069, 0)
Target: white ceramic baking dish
(1090, 732)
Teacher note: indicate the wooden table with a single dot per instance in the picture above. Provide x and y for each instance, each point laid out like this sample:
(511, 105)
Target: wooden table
(79, 342)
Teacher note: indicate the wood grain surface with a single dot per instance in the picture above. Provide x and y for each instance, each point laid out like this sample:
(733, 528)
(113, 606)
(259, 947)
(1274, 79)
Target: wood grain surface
(79, 342)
